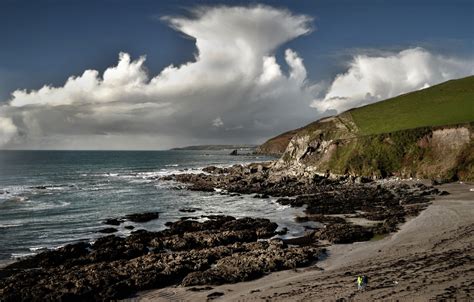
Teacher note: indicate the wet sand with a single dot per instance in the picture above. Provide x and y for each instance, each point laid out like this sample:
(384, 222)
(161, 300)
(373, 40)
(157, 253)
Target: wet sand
(430, 257)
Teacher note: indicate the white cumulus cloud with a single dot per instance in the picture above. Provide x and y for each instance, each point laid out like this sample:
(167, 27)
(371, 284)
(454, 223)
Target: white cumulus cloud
(373, 78)
(234, 76)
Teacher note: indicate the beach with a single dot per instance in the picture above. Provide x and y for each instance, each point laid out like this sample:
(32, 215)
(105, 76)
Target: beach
(407, 236)
(430, 257)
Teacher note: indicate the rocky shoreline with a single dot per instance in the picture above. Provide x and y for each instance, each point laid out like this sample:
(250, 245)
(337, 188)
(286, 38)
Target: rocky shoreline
(219, 249)
(333, 201)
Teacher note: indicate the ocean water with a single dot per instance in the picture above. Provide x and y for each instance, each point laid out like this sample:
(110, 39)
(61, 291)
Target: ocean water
(52, 198)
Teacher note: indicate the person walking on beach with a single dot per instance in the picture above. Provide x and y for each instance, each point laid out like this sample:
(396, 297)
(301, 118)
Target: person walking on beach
(365, 281)
(359, 282)
(362, 282)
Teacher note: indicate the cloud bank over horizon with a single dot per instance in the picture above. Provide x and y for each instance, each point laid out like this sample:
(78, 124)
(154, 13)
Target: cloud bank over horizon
(233, 91)
(371, 79)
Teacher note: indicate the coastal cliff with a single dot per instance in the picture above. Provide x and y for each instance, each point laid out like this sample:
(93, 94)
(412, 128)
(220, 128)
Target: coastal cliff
(392, 137)
(445, 153)
(276, 145)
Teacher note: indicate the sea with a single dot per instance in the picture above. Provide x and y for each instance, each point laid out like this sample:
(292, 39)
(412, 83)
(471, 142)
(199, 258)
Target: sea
(52, 198)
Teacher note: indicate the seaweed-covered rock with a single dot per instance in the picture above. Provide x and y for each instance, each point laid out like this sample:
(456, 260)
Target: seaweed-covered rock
(142, 217)
(108, 230)
(114, 267)
(263, 258)
(113, 221)
(343, 233)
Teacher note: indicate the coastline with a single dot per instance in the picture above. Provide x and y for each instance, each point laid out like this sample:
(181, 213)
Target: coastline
(429, 257)
(203, 255)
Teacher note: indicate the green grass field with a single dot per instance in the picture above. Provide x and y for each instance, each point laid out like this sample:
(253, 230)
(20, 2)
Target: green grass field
(448, 103)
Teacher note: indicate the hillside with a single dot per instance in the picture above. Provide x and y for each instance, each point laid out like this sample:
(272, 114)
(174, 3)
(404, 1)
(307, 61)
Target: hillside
(426, 134)
(276, 145)
(448, 103)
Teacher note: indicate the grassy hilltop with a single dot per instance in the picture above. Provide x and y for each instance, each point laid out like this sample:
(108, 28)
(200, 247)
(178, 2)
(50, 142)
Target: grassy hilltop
(448, 103)
(426, 133)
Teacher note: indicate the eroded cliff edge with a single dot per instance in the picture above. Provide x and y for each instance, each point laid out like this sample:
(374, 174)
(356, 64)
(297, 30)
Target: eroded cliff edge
(334, 146)
(423, 134)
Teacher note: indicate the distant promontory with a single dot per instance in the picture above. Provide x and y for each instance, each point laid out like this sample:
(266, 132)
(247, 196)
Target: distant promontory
(245, 147)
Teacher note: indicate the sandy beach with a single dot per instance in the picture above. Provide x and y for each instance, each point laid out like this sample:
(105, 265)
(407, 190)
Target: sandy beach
(429, 258)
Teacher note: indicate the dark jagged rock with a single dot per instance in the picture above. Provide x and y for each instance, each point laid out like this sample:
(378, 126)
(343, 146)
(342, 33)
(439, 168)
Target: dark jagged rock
(264, 257)
(142, 217)
(214, 295)
(302, 240)
(199, 289)
(320, 218)
(343, 233)
(65, 256)
(215, 170)
(40, 187)
(189, 210)
(323, 196)
(113, 221)
(108, 230)
(114, 267)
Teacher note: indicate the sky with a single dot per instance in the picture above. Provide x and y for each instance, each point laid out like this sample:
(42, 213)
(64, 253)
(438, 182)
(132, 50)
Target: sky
(143, 74)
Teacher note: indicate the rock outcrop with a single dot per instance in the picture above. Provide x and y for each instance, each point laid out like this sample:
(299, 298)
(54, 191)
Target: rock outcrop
(444, 153)
(220, 250)
(385, 206)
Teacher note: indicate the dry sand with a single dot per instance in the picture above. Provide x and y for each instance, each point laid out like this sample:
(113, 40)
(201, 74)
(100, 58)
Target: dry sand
(430, 258)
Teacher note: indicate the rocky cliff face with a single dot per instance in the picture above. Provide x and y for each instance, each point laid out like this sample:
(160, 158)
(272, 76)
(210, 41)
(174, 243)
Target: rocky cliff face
(276, 145)
(334, 145)
(340, 126)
